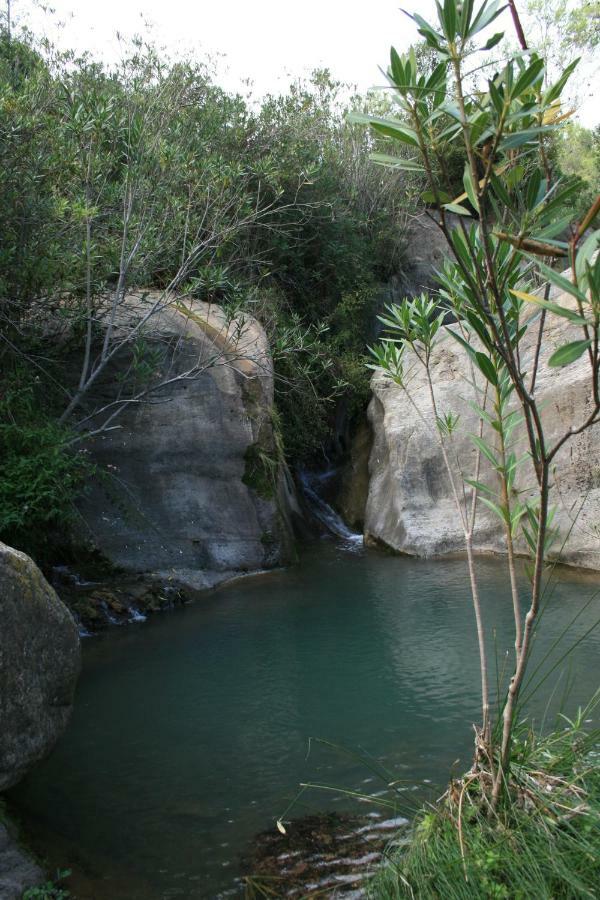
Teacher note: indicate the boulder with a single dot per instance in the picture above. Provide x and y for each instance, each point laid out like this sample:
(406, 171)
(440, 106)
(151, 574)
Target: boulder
(410, 508)
(190, 485)
(39, 665)
(18, 871)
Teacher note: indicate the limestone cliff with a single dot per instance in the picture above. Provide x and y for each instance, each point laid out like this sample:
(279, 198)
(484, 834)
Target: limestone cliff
(410, 507)
(190, 486)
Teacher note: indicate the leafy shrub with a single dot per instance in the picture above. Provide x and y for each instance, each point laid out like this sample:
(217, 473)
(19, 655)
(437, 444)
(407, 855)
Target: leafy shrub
(547, 844)
(40, 475)
(50, 890)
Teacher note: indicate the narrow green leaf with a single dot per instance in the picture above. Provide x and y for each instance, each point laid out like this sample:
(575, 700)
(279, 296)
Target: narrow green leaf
(480, 487)
(495, 39)
(560, 199)
(569, 314)
(486, 366)
(437, 77)
(450, 19)
(499, 510)
(499, 190)
(557, 279)
(457, 208)
(466, 16)
(396, 162)
(480, 329)
(568, 353)
(457, 337)
(586, 253)
(527, 78)
(396, 68)
(518, 138)
(514, 176)
(496, 97)
(398, 133)
(554, 92)
(390, 127)
(470, 188)
(425, 30)
(485, 449)
(485, 16)
(559, 226)
(533, 186)
(429, 197)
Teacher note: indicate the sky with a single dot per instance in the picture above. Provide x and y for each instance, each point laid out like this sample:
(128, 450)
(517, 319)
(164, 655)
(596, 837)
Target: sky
(269, 42)
(264, 40)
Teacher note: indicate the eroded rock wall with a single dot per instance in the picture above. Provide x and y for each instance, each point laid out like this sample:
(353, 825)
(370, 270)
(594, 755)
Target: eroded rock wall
(188, 484)
(410, 507)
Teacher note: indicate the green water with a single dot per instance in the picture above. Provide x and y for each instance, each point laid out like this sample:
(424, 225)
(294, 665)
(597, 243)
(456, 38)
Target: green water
(190, 730)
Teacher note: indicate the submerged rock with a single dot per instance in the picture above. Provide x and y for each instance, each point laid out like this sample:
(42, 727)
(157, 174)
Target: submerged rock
(117, 599)
(410, 507)
(190, 486)
(39, 665)
(322, 855)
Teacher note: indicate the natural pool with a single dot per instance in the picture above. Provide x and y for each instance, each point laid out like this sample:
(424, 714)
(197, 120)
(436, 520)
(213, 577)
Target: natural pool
(190, 730)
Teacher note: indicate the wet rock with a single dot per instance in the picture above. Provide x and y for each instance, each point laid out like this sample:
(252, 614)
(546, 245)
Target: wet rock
(120, 600)
(325, 855)
(39, 665)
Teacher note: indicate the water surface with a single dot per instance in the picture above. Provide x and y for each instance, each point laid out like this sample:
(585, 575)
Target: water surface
(190, 731)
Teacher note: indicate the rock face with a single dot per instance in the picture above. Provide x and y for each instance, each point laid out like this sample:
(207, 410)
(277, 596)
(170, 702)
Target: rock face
(191, 487)
(39, 665)
(351, 497)
(410, 506)
(425, 251)
(18, 871)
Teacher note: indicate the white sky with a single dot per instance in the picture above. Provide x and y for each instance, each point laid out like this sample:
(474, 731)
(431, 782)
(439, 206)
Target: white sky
(267, 41)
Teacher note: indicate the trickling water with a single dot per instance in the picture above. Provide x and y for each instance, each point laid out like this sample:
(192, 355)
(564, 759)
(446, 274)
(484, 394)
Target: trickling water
(190, 730)
(312, 483)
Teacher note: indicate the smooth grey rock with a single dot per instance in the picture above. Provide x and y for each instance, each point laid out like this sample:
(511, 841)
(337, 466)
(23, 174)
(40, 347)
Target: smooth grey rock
(410, 506)
(177, 493)
(18, 871)
(39, 665)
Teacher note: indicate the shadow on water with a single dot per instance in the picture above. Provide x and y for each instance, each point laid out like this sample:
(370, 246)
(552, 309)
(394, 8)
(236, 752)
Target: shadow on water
(190, 731)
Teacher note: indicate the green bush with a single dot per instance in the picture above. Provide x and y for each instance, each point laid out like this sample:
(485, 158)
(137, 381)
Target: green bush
(546, 845)
(40, 474)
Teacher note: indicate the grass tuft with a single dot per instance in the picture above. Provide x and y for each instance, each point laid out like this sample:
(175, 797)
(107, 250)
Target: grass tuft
(544, 842)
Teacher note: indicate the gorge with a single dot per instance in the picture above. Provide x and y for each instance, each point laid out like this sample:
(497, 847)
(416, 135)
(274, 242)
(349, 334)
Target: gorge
(299, 480)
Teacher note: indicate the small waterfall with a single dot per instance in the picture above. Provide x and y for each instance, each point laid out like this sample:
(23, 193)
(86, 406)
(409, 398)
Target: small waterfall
(311, 483)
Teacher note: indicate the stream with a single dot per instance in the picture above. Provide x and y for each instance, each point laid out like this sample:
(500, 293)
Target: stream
(191, 730)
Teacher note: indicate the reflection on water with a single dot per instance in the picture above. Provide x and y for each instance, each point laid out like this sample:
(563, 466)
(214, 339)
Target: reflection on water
(190, 731)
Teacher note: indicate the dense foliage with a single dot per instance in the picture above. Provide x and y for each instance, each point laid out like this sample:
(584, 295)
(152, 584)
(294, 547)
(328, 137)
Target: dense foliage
(149, 175)
(546, 845)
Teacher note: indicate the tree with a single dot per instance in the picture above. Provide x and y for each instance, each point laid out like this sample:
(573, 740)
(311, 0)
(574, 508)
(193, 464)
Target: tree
(560, 30)
(512, 219)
